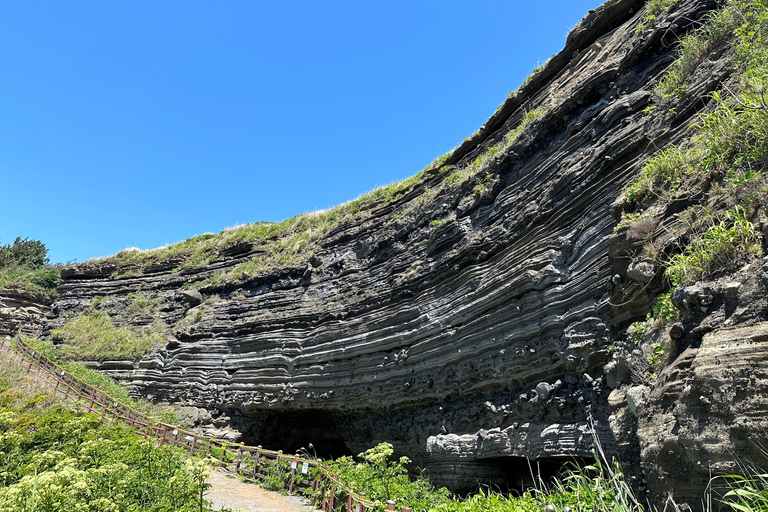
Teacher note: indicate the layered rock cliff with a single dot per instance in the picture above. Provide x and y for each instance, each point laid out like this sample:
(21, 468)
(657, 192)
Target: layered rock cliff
(470, 317)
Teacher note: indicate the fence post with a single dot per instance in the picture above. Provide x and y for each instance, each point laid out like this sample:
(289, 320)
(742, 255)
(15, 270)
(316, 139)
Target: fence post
(192, 446)
(349, 503)
(361, 505)
(239, 458)
(293, 475)
(224, 454)
(390, 505)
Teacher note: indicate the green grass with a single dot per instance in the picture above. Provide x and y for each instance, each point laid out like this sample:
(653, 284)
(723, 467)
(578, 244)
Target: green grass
(39, 281)
(656, 7)
(95, 337)
(663, 173)
(483, 162)
(726, 241)
(694, 47)
(284, 244)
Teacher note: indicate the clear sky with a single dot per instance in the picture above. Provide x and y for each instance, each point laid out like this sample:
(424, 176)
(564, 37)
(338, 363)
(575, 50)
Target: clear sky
(144, 123)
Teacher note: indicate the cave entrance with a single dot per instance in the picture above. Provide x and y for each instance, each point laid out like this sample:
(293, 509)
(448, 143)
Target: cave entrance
(317, 432)
(515, 475)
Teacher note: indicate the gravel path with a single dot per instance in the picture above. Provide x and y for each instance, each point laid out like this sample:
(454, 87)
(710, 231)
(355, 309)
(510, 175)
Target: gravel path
(230, 492)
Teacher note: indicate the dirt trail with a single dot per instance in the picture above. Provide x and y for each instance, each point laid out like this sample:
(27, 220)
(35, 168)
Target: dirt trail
(229, 492)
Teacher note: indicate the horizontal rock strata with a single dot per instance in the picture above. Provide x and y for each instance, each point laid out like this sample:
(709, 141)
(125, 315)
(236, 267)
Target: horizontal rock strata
(470, 325)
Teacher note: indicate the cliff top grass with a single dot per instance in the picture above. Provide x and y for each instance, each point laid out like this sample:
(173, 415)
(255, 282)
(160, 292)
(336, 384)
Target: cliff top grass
(292, 242)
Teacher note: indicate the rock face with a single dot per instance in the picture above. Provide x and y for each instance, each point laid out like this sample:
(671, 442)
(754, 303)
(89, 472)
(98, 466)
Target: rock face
(472, 332)
(21, 310)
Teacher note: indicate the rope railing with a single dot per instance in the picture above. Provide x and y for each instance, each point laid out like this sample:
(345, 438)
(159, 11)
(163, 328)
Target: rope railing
(253, 462)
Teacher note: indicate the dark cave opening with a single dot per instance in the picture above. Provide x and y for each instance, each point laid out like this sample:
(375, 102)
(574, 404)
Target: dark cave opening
(515, 475)
(317, 432)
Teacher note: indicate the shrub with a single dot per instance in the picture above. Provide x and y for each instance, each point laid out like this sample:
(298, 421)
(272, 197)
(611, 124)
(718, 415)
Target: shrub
(24, 253)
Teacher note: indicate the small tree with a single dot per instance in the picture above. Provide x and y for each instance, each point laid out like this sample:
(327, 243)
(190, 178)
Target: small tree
(24, 253)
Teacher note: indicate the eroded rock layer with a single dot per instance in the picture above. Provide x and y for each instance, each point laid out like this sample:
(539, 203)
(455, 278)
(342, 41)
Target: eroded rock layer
(471, 331)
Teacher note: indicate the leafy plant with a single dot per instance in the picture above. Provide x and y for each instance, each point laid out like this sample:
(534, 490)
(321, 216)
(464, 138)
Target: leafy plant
(663, 311)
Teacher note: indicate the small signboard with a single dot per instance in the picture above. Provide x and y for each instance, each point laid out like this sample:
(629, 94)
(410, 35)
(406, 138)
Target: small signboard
(175, 432)
(294, 464)
(305, 468)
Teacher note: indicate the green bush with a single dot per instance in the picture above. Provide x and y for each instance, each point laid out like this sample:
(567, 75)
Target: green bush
(55, 460)
(24, 253)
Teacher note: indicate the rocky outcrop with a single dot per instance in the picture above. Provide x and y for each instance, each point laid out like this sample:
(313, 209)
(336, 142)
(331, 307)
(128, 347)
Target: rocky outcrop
(22, 311)
(470, 325)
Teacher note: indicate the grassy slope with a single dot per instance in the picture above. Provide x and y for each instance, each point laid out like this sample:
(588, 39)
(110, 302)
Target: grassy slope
(53, 458)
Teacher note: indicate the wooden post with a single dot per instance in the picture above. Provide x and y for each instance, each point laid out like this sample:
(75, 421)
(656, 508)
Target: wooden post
(407, 509)
(224, 454)
(349, 503)
(361, 504)
(390, 505)
(239, 458)
(165, 432)
(192, 446)
(293, 475)
(330, 500)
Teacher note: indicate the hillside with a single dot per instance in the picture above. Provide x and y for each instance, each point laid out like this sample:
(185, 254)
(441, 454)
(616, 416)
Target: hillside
(593, 253)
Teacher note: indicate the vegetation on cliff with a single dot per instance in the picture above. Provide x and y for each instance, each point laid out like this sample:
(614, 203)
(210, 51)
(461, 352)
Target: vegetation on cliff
(24, 265)
(719, 172)
(95, 337)
(292, 242)
(598, 487)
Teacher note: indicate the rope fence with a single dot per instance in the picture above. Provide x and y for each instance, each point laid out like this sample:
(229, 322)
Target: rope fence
(298, 475)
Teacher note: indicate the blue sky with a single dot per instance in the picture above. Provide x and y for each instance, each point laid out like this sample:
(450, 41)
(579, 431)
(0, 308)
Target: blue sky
(144, 123)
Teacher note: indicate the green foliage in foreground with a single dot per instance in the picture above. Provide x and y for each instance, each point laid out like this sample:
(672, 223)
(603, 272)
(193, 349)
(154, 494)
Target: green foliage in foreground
(598, 487)
(24, 265)
(56, 460)
(595, 488)
(96, 337)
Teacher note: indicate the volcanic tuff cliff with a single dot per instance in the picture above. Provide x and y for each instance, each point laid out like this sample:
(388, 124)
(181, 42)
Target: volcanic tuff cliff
(468, 315)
